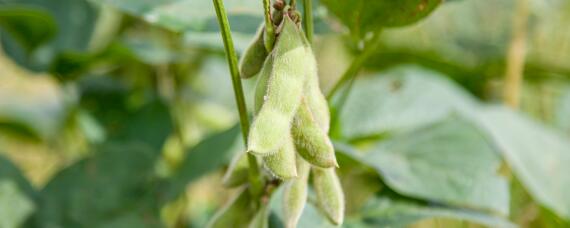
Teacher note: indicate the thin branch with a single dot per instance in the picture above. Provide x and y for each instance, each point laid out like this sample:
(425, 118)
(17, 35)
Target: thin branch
(516, 55)
(356, 64)
(254, 174)
(308, 19)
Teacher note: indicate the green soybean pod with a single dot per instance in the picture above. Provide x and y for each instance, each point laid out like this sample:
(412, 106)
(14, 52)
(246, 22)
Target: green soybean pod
(261, 86)
(330, 197)
(282, 164)
(311, 142)
(237, 173)
(284, 91)
(295, 194)
(254, 56)
(315, 99)
(237, 213)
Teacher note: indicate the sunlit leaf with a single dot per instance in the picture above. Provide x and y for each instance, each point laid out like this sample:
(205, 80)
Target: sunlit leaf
(447, 162)
(400, 98)
(537, 155)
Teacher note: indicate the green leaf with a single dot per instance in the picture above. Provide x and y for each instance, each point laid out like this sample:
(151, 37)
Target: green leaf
(475, 34)
(447, 162)
(400, 98)
(75, 21)
(193, 15)
(15, 206)
(209, 155)
(29, 26)
(32, 104)
(387, 212)
(116, 180)
(539, 156)
(362, 16)
(9, 172)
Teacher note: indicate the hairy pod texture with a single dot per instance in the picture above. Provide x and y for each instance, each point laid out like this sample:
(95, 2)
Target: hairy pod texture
(283, 94)
(295, 194)
(311, 141)
(330, 197)
(282, 164)
(237, 173)
(254, 56)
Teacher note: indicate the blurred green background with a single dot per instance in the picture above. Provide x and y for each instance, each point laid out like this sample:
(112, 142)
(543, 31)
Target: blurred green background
(120, 113)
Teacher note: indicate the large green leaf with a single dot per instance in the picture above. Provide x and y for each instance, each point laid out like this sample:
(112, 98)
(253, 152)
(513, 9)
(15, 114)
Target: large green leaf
(387, 212)
(539, 156)
(400, 98)
(116, 180)
(362, 16)
(29, 26)
(448, 162)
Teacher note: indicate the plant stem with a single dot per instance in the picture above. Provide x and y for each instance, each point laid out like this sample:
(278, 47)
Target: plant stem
(308, 19)
(516, 55)
(355, 66)
(254, 174)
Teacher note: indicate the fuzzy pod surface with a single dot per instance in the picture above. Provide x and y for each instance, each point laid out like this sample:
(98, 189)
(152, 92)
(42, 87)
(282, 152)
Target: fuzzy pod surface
(252, 59)
(284, 90)
(295, 194)
(311, 142)
(330, 197)
(282, 164)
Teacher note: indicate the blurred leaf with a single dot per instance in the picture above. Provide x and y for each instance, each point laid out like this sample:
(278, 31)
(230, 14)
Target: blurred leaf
(33, 104)
(362, 16)
(448, 162)
(197, 15)
(476, 33)
(150, 124)
(386, 212)
(9, 172)
(15, 206)
(31, 26)
(562, 114)
(75, 21)
(209, 155)
(537, 155)
(116, 180)
(400, 98)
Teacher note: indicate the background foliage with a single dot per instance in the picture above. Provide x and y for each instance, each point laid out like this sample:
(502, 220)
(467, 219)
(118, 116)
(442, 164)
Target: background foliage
(120, 113)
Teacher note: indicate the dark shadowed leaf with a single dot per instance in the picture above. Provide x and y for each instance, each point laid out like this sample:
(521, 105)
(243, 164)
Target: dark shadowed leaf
(30, 26)
(75, 20)
(117, 180)
(362, 16)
